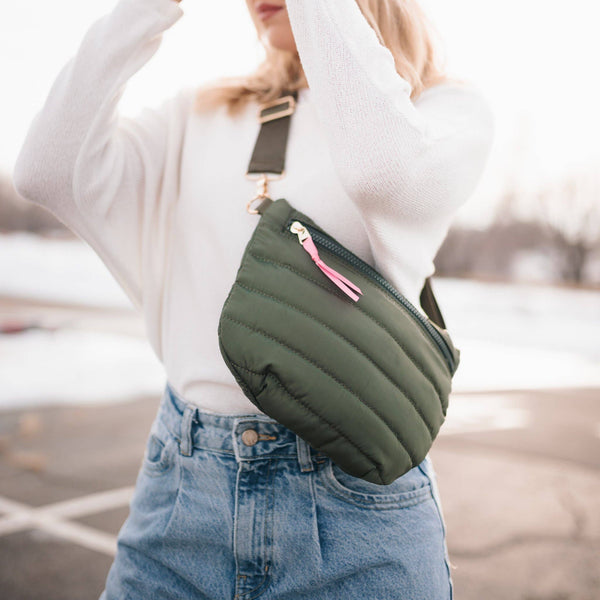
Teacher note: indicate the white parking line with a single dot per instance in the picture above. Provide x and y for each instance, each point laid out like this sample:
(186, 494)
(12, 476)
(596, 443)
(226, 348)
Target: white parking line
(54, 518)
(465, 413)
(101, 501)
(94, 539)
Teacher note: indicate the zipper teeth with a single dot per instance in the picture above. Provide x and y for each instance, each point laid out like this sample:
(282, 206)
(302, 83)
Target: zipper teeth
(327, 242)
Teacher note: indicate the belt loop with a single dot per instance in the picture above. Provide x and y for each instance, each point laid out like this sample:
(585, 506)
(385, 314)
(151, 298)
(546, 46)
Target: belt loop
(185, 443)
(304, 457)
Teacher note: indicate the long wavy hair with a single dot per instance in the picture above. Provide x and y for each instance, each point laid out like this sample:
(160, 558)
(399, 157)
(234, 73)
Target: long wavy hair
(400, 25)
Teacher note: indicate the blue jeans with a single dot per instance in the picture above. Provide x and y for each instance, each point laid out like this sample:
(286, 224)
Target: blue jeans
(240, 507)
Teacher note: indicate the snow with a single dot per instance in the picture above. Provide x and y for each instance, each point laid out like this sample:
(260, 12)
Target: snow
(511, 336)
(521, 336)
(481, 412)
(75, 367)
(56, 270)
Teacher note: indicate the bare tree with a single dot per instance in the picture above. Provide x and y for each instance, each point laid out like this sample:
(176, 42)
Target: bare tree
(570, 213)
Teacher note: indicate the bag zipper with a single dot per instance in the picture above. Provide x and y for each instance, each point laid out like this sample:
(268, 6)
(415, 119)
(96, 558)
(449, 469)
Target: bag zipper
(308, 244)
(336, 248)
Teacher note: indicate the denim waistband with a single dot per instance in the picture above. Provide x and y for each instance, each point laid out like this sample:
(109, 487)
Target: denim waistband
(246, 436)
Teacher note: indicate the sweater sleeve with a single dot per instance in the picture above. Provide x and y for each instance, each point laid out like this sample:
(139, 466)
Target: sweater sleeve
(401, 162)
(98, 172)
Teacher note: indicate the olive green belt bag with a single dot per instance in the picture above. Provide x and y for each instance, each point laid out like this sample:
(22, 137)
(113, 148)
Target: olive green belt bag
(324, 344)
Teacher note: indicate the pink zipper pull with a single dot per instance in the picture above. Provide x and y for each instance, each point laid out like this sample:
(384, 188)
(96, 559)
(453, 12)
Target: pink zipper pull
(306, 240)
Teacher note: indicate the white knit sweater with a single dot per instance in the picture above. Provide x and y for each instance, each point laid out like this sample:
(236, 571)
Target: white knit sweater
(161, 197)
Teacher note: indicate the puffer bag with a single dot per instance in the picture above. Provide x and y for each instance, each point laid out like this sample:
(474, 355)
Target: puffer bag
(323, 343)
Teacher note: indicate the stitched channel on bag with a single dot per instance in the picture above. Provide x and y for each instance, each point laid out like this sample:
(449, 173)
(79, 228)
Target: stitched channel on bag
(340, 383)
(349, 342)
(333, 426)
(351, 267)
(357, 307)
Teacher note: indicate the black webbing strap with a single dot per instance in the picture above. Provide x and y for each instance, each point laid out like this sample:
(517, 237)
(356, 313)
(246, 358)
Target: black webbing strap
(430, 305)
(268, 156)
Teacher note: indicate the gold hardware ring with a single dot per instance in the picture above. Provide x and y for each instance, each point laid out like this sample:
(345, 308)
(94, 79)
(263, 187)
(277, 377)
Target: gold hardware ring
(277, 115)
(261, 189)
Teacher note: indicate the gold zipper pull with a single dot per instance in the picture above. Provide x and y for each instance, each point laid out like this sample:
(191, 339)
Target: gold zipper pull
(299, 229)
(308, 244)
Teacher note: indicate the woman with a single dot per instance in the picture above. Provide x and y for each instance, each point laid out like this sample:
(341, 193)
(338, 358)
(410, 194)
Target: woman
(382, 151)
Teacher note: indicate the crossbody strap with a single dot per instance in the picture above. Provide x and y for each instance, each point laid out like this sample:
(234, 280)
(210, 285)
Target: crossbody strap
(268, 157)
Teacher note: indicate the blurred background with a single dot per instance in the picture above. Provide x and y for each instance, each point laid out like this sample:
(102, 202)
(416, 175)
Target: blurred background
(518, 281)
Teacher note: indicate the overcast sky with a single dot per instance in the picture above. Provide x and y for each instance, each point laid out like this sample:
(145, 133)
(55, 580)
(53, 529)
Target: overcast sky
(536, 61)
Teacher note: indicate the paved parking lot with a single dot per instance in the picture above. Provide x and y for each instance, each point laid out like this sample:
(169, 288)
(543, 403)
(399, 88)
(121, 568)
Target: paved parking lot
(518, 476)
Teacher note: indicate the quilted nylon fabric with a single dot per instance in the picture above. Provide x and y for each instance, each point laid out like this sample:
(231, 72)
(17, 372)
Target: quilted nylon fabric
(362, 381)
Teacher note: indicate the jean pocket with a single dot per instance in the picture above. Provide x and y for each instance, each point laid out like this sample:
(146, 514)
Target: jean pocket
(159, 455)
(411, 488)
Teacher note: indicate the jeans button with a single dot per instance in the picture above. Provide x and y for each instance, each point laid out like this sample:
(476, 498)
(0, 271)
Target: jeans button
(250, 437)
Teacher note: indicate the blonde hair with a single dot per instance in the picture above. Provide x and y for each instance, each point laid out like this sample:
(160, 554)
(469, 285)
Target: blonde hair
(400, 25)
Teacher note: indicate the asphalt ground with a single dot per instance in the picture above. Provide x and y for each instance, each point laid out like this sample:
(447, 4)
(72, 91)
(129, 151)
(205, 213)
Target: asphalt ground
(518, 473)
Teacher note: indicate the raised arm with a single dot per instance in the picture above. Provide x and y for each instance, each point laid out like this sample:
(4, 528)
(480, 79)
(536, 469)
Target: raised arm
(399, 160)
(96, 171)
